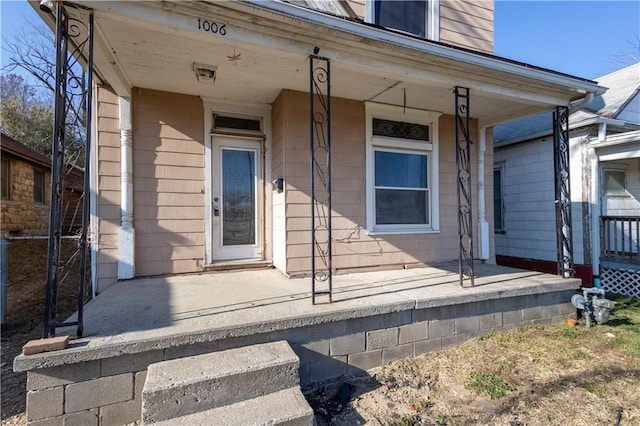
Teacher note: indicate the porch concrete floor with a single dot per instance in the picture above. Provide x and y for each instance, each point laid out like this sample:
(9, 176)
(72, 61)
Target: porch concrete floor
(153, 313)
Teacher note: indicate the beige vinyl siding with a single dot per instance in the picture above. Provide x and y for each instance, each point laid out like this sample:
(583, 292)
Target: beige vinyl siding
(108, 208)
(467, 24)
(353, 246)
(358, 7)
(168, 182)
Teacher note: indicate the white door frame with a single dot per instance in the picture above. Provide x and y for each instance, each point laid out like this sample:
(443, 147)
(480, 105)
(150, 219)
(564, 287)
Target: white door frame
(252, 110)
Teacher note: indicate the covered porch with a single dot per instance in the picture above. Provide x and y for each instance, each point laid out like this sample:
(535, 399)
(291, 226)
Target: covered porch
(375, 318)
(165, 70)
(616, 192)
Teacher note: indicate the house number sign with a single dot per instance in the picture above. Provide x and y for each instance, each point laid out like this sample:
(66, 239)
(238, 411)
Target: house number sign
(212, 27)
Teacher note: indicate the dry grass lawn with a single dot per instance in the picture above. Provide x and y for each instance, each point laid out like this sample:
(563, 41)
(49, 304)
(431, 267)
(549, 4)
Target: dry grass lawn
(538, 375)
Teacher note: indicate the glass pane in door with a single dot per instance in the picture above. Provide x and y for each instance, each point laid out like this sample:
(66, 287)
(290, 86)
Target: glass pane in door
(238, 197)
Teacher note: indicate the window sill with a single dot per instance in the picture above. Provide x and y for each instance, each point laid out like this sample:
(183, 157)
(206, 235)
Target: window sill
(403, 232)
(617, 195)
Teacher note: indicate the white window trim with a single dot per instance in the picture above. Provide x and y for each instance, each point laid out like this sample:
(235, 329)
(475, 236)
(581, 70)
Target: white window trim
(429, 118)
(432, 20)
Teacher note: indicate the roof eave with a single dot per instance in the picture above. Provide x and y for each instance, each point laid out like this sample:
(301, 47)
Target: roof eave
(491, 62)
(573, 125)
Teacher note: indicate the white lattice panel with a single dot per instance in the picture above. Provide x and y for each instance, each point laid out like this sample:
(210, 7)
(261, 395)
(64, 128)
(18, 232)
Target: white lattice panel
(621, 281)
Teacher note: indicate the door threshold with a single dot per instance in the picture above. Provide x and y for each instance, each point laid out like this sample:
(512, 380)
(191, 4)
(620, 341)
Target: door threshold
(238, 264)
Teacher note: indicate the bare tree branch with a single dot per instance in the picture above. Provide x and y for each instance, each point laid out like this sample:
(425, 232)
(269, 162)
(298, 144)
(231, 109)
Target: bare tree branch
(632, 56)
(32, 50)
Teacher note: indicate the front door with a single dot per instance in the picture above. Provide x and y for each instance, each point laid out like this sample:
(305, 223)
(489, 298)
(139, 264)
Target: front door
(236, 198)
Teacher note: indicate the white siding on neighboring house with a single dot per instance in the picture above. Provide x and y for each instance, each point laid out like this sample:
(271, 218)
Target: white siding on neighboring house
(597, 146)
(528, 191)
(529, 213)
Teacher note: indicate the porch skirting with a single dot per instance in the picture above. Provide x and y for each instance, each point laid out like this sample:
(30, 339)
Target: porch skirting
(101, 383)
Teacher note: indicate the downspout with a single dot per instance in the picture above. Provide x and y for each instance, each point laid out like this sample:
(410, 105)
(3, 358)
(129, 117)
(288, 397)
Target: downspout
(584, 102)
(596, 209)
(483, 225)
(595, 215)
(93, 200)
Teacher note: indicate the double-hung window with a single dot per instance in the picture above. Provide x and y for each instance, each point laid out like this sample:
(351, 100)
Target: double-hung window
(402, 170)
(417, 17)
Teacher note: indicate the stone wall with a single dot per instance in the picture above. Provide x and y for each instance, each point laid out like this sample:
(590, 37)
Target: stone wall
(20, 214)
(108, 391)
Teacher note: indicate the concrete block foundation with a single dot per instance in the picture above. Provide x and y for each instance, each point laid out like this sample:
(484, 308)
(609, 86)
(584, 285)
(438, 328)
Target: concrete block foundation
(102, 384)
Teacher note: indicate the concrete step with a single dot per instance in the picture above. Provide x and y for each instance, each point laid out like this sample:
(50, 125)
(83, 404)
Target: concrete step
(286, 407)
(184, 386)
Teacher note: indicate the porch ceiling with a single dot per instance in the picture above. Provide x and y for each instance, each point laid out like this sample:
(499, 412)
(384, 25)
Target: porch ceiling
(155, 44)
(164, 61)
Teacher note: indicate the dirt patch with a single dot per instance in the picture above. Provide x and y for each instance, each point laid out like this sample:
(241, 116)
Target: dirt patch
(538, 375)
(27, 273)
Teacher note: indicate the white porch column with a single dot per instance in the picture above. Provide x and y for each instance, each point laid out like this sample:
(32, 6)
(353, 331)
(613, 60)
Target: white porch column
(126, 233)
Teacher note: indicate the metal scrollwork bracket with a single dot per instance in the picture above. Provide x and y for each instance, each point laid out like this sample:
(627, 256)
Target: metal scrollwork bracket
(463, 162)
(320, 153)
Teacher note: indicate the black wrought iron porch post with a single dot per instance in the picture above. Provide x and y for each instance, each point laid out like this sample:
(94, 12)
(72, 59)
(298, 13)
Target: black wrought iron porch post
(320, 152)
(73, 43)
(86, 184)
(57, 172)
(463, 162)
(563, 191)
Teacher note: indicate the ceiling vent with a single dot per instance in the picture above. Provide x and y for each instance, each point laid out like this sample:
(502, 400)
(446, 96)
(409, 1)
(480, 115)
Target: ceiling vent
(205, 73)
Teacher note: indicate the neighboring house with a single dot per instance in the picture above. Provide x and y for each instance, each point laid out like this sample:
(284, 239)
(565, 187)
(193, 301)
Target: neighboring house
(605, 187)
(26, 189)
(203, 126)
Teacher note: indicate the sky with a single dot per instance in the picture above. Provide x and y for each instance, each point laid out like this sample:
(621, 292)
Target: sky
(581, 38)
